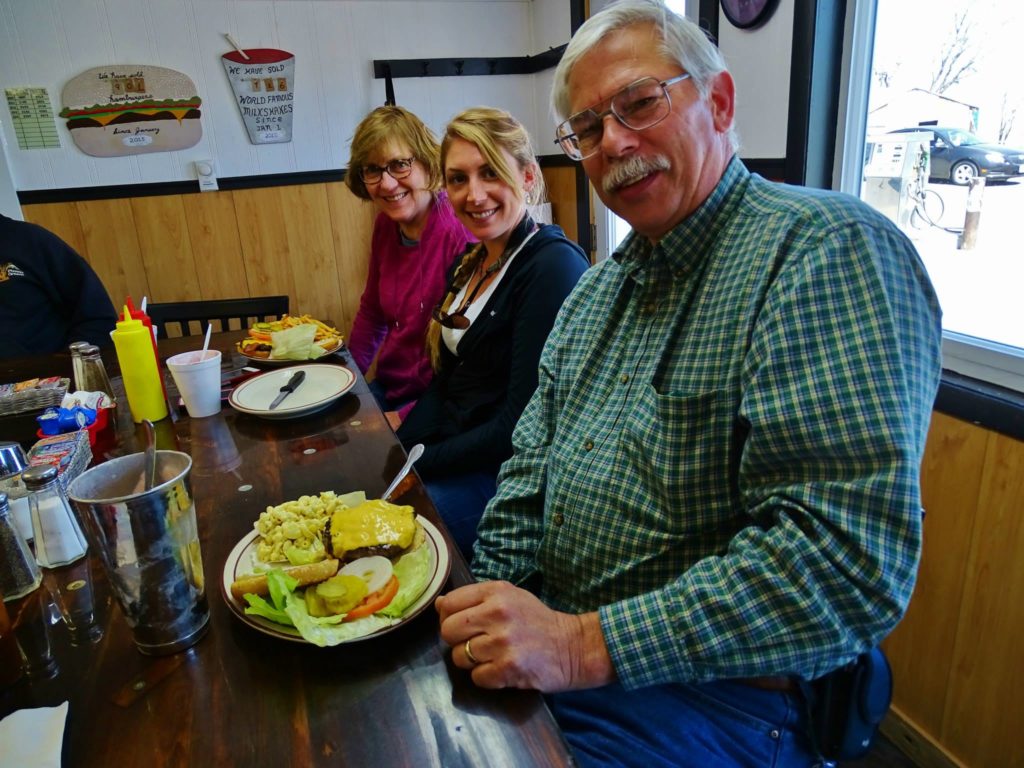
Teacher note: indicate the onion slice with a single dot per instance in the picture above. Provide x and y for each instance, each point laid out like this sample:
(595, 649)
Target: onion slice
(376, 571)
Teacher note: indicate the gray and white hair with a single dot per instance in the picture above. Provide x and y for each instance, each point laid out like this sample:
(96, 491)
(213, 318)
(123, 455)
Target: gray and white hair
(682, 42)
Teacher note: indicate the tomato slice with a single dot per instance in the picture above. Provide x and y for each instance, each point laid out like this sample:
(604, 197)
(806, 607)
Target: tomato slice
(375, 601)
(258, 335)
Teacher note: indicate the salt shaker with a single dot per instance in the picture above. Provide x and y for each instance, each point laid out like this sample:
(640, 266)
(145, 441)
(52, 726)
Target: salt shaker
(58, 537)
(19, 573)
(76, 362)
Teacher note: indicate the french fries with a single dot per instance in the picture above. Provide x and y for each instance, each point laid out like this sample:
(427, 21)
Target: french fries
(258, 345)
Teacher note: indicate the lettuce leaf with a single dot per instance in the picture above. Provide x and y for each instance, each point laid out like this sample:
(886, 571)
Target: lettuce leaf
(352, 499)
(281, 586)
(288, 606)
(328, 630)
(413, 573)
(295, 343)
(260, 607)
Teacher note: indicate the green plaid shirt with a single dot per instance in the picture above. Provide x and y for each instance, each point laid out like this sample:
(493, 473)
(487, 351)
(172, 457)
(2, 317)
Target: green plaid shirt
(722, 455)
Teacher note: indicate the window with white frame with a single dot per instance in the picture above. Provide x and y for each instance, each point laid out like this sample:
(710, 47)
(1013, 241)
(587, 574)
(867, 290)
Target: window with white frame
(935, 140)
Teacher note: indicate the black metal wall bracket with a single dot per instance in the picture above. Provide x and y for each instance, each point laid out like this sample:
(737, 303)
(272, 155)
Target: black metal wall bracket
(506, 65)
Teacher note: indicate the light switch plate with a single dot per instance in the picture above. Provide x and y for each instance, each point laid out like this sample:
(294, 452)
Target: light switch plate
(206, 172)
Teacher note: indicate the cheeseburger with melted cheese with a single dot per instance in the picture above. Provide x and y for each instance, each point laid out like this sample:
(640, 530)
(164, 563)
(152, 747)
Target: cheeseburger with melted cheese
(374, 527)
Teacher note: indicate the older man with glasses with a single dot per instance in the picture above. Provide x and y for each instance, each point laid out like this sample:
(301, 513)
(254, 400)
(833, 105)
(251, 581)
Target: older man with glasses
(715, 489)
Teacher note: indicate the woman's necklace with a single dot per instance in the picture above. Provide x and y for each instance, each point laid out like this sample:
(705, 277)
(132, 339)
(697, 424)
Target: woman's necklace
(498, 264)
(501, 261)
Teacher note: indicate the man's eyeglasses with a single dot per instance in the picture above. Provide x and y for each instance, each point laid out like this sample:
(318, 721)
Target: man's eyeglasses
(397, 169)
(638, 106)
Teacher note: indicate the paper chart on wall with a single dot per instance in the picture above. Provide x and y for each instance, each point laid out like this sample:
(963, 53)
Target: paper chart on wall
(32, 116)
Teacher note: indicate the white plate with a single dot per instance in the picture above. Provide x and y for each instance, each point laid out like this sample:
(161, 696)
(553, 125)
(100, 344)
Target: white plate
(269, 361)
(323, 385)
(242, 560)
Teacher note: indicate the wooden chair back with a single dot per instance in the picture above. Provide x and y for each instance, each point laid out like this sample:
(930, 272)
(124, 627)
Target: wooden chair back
(189, 318)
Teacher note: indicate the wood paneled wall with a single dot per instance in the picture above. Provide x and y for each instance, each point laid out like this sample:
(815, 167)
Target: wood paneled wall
(310, 241)
(561, 185)
(957, 656)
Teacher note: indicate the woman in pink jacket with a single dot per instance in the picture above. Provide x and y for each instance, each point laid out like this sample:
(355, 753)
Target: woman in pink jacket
(395, 164)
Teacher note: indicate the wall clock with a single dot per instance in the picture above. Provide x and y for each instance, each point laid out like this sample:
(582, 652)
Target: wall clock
(748, 14)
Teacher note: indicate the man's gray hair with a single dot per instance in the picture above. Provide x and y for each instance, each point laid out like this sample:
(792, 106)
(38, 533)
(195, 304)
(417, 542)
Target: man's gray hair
(682, 42)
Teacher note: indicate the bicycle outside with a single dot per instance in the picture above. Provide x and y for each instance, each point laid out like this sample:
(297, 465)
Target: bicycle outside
(928, 204)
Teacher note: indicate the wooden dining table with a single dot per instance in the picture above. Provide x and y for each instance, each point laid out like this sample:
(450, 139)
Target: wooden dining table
(240, 697)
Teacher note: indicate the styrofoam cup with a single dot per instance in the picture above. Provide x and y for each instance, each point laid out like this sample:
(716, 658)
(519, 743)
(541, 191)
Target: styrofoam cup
(197, 376)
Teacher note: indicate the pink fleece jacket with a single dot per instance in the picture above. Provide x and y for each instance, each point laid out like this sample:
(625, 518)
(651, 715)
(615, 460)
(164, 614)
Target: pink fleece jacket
(404, 284)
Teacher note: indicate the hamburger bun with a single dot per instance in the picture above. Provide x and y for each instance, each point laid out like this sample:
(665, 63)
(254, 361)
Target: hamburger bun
(312, 573)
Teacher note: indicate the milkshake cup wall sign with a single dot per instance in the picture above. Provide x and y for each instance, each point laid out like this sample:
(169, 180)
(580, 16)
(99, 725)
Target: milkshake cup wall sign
(264, 84)
(131, 109)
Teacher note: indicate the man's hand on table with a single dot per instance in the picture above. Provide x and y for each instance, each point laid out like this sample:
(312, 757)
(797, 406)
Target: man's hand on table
(518, 642)
(394, 419)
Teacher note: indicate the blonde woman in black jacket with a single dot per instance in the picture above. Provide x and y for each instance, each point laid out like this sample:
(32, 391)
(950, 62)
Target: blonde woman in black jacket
(487, 333)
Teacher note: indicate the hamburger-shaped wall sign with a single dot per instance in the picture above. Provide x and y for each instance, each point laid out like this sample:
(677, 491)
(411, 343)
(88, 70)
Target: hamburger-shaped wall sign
(130, 109)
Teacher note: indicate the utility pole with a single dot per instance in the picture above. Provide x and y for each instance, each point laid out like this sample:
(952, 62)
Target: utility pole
(969, 238)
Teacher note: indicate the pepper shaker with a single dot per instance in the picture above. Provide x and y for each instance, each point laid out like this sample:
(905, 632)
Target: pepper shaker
(58, 537)
(11, 660)
(19, 573)
(94, 374)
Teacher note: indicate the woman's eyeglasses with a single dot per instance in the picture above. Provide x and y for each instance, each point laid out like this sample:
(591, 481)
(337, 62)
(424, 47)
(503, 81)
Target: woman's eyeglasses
(396, 169)
(638, 106)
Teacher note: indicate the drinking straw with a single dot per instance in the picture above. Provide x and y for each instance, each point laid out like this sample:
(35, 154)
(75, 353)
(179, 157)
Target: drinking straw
(206, 342)
(236, 46)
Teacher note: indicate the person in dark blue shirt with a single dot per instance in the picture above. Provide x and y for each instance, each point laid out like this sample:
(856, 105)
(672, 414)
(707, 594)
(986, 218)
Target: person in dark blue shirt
(49, 295)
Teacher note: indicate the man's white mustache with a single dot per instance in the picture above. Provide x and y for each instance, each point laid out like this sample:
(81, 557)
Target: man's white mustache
(632, 169)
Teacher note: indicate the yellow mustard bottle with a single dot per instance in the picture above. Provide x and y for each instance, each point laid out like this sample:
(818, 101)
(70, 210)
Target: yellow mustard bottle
(135, 355)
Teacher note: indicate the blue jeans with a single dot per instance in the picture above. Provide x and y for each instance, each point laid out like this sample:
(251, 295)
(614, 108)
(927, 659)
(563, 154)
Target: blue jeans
(460, 500)
(377, 390)
(711, 725)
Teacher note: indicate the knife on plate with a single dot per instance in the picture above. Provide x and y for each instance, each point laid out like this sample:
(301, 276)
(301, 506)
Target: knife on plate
(293, 384)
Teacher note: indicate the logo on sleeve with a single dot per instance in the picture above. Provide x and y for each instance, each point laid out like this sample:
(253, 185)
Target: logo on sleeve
(9, 270)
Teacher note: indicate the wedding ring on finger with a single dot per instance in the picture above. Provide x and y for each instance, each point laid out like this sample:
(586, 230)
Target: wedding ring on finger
(469, 653)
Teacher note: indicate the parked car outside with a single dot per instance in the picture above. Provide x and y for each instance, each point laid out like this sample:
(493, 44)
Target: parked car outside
(959, 156)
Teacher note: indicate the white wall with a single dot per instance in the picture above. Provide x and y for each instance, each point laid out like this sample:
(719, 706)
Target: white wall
(550, 24)
(759, 60)
(47, 42)
(9, 205)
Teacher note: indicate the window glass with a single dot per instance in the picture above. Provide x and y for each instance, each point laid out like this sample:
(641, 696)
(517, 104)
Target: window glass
(615, 229)
(944, 158)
